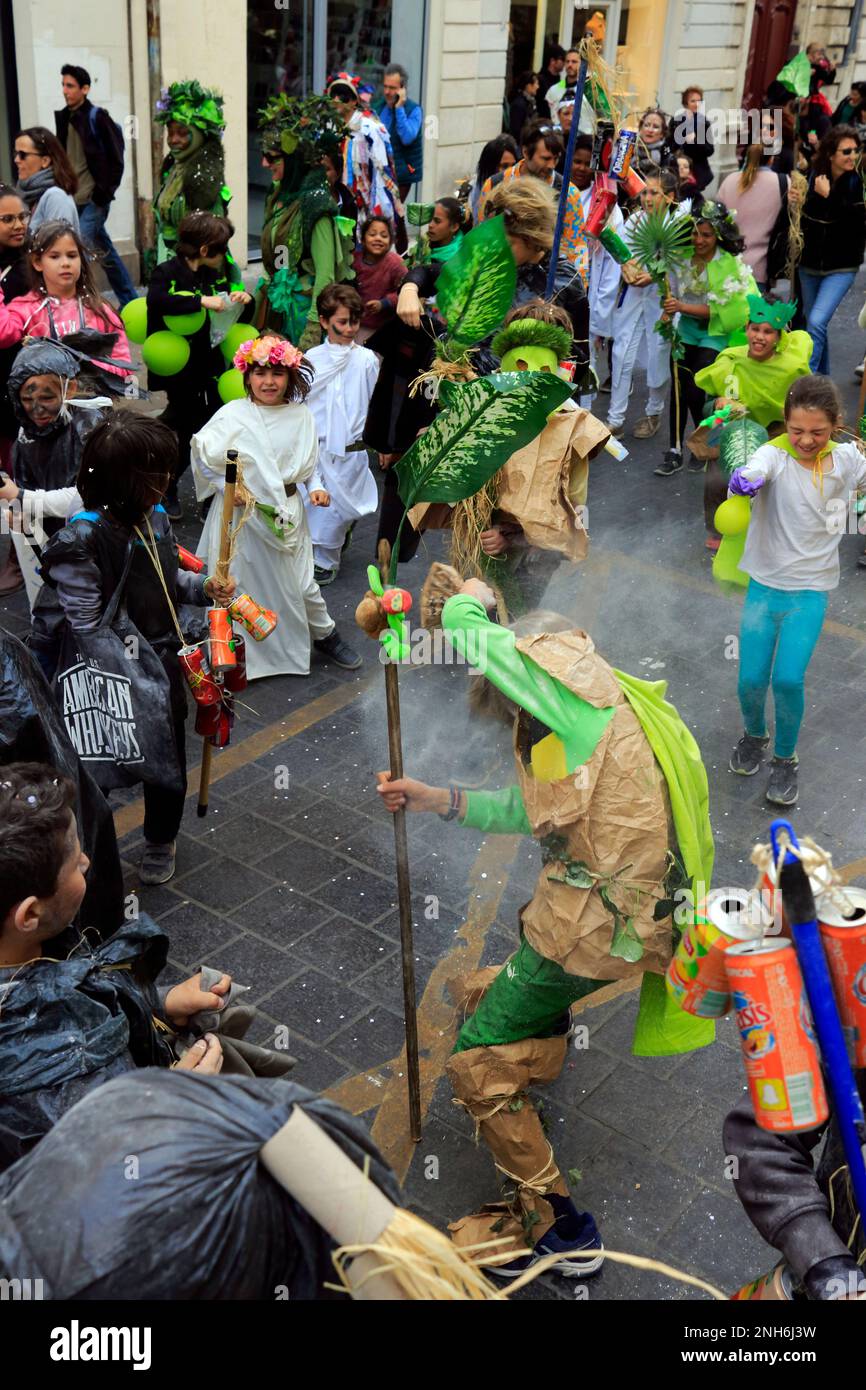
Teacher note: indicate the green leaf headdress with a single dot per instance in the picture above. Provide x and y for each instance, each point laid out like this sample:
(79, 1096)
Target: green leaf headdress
(310, 126)
(191, 104)
(778, 316)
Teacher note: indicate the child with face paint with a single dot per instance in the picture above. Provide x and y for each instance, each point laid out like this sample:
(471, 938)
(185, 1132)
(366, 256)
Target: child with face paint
(46, 458)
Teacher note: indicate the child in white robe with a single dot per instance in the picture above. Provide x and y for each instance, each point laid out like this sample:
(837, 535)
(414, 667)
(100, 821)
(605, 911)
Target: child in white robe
(275, 436)
(339, 399)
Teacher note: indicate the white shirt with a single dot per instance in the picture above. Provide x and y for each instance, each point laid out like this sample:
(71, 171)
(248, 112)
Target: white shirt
(795, 530)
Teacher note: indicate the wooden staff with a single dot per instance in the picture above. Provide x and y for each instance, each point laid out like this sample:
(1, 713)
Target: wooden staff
(221, 574)
(404, 898)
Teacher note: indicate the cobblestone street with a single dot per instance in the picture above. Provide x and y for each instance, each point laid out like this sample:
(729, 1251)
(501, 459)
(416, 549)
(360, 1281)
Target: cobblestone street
(289, 882)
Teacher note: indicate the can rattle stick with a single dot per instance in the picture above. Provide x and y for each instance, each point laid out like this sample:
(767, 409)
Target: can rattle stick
(222, 571)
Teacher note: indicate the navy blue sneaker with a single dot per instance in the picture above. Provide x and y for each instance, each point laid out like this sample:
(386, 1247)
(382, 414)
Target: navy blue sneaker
(585, 1238)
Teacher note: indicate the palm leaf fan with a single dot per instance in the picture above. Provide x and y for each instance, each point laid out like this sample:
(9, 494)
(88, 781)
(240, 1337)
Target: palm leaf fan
(661, 243)
(738, 441)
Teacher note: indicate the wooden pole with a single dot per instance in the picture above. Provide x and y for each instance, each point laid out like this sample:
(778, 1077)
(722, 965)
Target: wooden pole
(404, 898)
(221, 574)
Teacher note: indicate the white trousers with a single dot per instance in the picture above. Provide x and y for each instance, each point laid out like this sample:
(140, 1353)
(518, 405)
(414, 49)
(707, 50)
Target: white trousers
(634, 332)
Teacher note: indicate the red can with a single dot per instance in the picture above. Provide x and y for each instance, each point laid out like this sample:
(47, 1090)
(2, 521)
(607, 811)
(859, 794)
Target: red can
(187, 561)
(779, 1051)
(223, 732)
(222, 656)
(600, 204)
(236, 679)
(205, 690)
(843, 933)
(207, 719)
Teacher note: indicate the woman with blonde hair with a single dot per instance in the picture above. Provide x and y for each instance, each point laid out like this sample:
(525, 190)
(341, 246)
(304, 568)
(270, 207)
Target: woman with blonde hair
(757, 195)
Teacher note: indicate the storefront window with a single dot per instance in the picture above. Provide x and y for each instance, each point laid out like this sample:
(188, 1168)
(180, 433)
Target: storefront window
(279, 59)
(359, 38)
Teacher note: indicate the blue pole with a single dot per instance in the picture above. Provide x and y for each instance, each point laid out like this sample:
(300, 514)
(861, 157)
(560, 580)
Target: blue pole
(847, 1106)
(566, 178)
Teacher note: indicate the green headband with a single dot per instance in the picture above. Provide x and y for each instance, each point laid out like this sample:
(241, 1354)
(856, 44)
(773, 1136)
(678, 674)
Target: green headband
(778, 316)
(532, 333)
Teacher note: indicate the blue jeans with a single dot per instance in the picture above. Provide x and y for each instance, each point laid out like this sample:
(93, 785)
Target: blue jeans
(91, 218)
(778, 634)
(822, 295)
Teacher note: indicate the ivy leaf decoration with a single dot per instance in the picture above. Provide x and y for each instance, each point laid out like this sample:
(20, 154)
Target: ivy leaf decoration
(626, 943)
(574, 1176)
(576, 875)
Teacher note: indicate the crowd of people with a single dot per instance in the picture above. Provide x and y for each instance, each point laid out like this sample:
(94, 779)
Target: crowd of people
(301, 377)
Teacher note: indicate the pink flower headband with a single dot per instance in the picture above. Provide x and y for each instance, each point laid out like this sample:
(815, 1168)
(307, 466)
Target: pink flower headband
(266, 352)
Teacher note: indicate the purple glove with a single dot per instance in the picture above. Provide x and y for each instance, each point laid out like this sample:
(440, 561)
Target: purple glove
(744, 487)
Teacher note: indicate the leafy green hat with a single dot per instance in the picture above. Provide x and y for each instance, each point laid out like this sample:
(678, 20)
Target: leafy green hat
(191, 104)
(532, 333)
(311, 126)
(762, 310)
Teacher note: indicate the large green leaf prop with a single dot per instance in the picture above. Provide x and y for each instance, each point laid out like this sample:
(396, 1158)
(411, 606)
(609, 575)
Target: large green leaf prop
(796, 75)
(476, 287)
(738, 441)
(485, 423)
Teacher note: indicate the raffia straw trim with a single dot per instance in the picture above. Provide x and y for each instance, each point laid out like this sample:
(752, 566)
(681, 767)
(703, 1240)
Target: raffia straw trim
(605, 77)
(812, 857)
(796, 239)
(441, 370)
(428, 1266)
(468, 519)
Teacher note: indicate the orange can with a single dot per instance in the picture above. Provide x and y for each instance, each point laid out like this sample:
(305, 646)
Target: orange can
(696, 975)
(843, 934)
(222, 656)
(778, 1041)
(259, 622)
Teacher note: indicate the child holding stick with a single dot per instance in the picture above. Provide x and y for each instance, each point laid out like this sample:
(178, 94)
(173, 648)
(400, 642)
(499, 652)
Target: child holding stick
(126, 467)
(275, 435)
(802, 483)
(345, 374)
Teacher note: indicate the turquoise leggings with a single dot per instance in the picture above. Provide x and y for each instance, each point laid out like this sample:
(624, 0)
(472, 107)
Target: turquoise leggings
(778, 634)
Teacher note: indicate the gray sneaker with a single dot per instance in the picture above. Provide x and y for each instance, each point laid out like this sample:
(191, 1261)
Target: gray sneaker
(749, 754)
(157, 863)
(782, 787)
(323, 576)
(335, 649)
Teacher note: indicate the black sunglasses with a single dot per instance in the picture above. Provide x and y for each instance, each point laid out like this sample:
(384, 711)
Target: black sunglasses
(273, 156)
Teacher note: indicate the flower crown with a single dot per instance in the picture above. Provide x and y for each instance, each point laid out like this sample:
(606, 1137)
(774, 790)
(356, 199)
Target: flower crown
(267, 352)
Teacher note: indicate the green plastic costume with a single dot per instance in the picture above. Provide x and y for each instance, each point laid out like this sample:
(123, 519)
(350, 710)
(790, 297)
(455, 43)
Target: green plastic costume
(729, 283)
(192, 179)
(305, 244)
(578, 725)
(760, 386)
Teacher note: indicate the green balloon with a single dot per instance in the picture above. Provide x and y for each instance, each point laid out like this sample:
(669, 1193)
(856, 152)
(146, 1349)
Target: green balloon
(237, 334)
(134, 315)
(165, 353)
(185, 324)
(231, 385)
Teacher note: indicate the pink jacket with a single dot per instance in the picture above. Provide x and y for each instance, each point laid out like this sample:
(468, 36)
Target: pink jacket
(31, 315)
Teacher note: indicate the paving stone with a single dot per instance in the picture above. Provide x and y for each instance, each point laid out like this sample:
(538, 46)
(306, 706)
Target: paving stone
(375, 1037)
(254, 962)
(459, 1180)
(714, 1239)
(696, 1147)
(317, 1069)
(303, 864)
(315, 1006)
(227, 886)
(644, 1107)
(343, 950)
(252, 836)
(633, 1195)
(281, 914)
(194, 933)
(359, 895)
(384, 982)
(713, 1074)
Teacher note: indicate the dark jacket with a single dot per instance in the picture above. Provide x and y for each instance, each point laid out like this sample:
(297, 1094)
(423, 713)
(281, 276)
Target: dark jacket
(546, 80)
(103, 146)
(698, 150)
(175, 288)
(834, 228)
(70, 1025)
(785, 1183)
(521, 110)
(408, 155)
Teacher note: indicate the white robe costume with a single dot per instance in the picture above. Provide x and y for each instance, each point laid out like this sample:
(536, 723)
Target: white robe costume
(604, 281)
(276, 446)
(339, 399)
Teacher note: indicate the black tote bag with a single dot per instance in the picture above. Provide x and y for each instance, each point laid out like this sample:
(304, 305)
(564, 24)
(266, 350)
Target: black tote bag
(115, 700)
